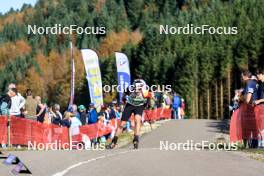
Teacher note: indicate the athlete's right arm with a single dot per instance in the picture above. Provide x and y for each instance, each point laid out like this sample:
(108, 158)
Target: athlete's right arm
(126, 92)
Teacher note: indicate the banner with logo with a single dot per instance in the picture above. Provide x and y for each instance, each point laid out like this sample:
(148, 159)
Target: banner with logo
(92, 68)
(123, 72)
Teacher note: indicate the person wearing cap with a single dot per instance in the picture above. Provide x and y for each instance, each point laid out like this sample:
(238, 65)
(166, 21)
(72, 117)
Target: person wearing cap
(83, 114)
(6, 101)
(135, 100)
(92, 114)
(18, 102)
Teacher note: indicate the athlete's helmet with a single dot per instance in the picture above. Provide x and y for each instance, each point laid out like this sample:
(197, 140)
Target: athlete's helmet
(140, 85)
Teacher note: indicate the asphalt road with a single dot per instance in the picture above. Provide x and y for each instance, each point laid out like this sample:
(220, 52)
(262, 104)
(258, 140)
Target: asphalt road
(149, 160)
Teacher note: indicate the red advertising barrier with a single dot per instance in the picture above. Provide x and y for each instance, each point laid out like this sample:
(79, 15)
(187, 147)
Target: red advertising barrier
(157, 114)
(3, 130)
(24, 131)
(247, 122)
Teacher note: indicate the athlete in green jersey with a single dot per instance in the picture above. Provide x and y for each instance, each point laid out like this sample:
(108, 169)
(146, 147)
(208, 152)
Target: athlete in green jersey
(135, 100)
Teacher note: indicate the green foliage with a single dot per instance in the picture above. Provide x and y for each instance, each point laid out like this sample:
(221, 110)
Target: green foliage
(15, 71)
(186, 62)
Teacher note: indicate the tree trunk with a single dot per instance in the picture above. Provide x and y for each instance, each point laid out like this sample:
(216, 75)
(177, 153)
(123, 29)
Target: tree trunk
(201, 107)
(229, 89)
(197, 101)
(221, 100)
(216, 101)
(208, 101)
(193, 107)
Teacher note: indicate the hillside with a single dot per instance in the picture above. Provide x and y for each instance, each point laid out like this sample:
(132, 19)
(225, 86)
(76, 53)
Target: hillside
(204, 69)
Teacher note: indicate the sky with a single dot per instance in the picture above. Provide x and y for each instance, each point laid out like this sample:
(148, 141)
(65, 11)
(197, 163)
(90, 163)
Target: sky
(5, 5)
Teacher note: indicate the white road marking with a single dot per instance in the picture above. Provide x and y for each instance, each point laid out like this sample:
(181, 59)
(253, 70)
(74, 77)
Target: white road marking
(65, 171)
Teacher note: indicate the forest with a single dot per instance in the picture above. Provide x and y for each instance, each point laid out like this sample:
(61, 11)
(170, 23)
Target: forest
(203, 69)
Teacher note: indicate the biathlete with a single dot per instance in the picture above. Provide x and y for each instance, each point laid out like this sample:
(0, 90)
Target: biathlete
(135, 98)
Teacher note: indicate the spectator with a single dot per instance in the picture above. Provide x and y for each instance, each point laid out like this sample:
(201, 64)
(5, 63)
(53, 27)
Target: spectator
(55, 114)
(41, 110)
(249, 93)
(18, 103)
(176, 106)
(166, 101)
(66, 122)
(74, 111)
(104, 111)
(250, 89)
(151, 101)
(111, 112)
(83, 114)
(5, 101)
(158, 99)
(101, 117)
(117, 110)
(75, 122)
(236, 100)
(92, 114)
(102, 122)
(30, 105)
(47, 119)
(260, 92)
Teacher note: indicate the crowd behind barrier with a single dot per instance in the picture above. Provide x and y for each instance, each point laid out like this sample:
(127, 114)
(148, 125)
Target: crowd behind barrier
(247, 122)
(25, 130)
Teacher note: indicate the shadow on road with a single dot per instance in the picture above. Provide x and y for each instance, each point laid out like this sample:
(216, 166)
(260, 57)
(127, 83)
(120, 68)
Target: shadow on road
(219, 126)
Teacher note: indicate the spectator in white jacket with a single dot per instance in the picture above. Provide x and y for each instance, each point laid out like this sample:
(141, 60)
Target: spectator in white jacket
(17, 104)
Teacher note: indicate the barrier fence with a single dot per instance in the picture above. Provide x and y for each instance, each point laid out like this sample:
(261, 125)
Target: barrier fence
(25, 130)
(247, 122)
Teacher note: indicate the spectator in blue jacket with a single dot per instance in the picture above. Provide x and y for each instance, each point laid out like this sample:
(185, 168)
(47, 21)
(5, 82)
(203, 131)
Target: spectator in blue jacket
(176, 106)
(92, 114)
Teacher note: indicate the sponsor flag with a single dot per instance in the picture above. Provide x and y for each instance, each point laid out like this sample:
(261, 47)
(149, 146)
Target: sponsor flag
(92, 68)
(123, 72)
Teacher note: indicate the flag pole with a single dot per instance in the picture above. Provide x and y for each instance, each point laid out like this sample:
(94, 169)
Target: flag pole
(72, 76)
